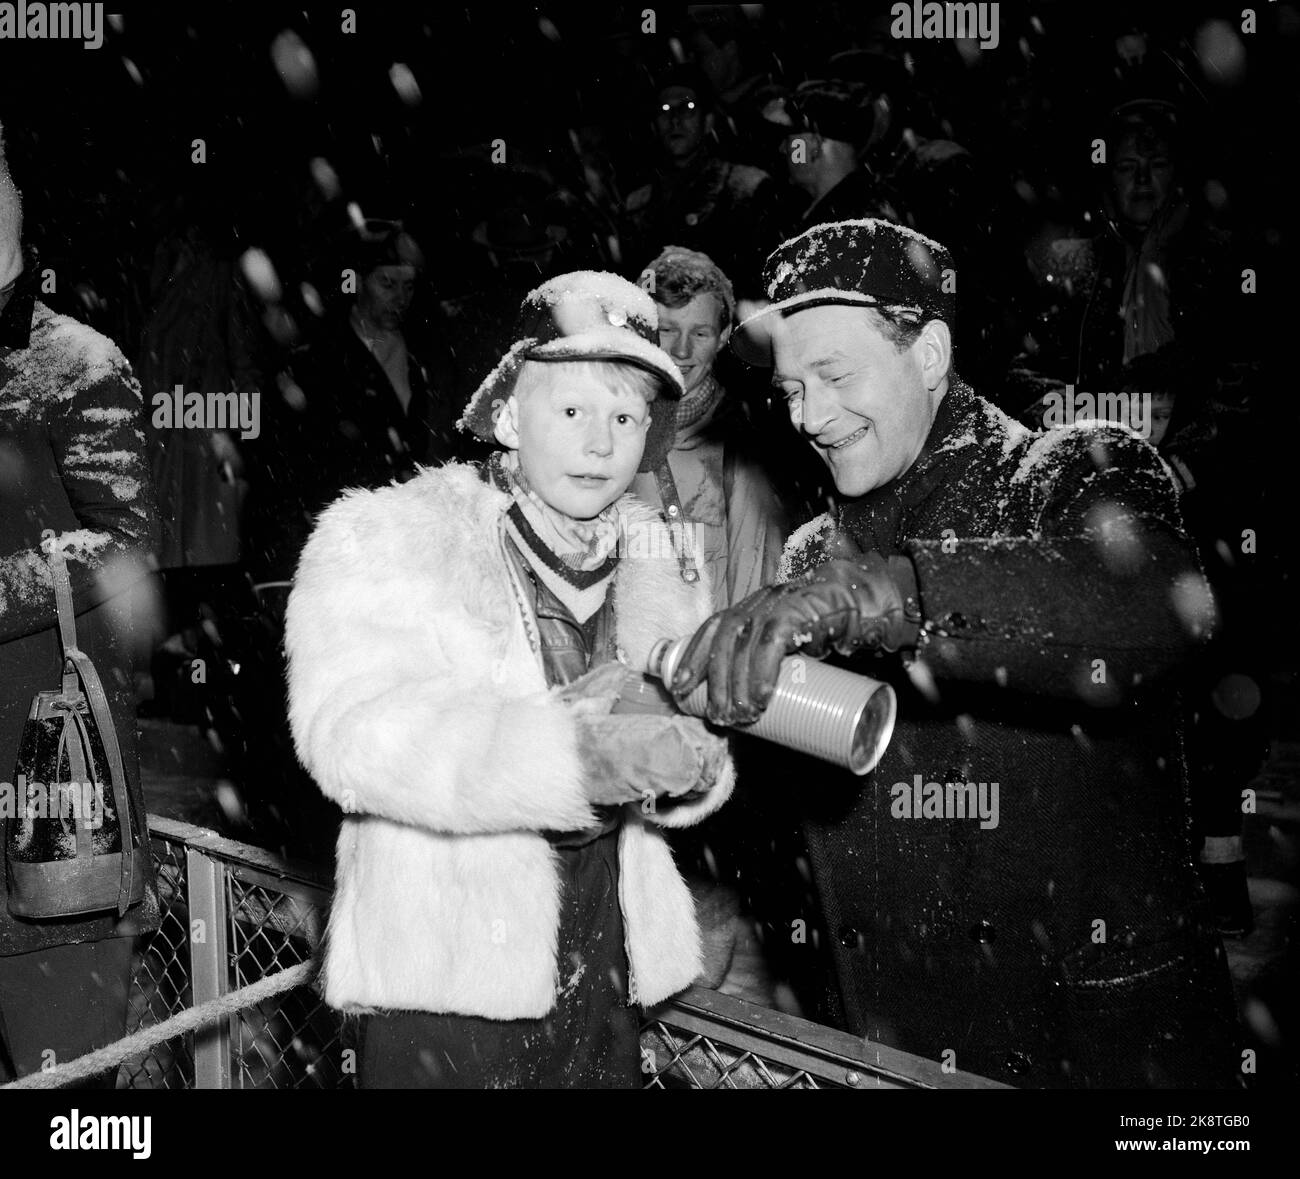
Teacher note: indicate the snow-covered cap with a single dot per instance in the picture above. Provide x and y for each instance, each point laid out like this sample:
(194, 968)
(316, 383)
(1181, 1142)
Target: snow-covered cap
(585, 315)
(865, 263)
(11, 223)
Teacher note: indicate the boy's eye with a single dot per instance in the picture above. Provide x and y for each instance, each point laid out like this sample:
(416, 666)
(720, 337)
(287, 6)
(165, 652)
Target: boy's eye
(570, 411)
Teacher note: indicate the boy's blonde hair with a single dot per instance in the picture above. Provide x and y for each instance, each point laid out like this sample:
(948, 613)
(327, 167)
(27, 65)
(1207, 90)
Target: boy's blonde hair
(618, 376)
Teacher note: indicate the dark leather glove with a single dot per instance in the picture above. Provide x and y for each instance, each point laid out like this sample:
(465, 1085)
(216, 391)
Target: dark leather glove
(842, 605)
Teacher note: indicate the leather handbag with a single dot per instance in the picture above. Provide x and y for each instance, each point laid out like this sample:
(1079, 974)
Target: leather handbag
(70, 844)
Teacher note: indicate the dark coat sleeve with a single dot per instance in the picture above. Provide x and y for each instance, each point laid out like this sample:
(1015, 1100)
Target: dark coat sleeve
(97, 445)
(1103, 598)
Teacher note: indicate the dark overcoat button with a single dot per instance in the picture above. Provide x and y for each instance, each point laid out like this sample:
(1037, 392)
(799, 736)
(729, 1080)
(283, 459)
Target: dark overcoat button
(1018, 1064)
(849, 937)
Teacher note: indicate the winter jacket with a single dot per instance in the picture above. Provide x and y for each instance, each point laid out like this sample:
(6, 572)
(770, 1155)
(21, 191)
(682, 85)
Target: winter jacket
(1059, 941)
(72, 459)
(726, 497)
(418, 702)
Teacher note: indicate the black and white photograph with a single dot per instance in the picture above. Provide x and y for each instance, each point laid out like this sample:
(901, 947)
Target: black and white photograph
(694, 546)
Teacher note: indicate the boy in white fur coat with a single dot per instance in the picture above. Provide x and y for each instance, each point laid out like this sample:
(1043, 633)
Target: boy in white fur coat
(504, 898)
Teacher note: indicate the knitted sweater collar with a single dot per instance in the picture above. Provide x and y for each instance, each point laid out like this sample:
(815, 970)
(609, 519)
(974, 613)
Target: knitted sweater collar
(581, 552)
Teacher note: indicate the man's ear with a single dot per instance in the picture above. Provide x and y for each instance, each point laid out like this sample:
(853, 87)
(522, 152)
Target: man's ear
(724, 336)
(934, 353)
(505, 425)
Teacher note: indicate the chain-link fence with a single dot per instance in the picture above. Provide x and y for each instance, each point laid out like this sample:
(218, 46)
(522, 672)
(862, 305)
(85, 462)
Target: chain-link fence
(233, 914)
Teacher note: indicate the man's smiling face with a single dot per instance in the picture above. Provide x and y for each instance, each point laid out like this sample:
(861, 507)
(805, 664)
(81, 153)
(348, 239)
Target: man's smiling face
(865, 407)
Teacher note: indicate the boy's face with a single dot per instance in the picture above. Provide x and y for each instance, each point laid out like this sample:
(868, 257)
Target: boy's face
(579, 440)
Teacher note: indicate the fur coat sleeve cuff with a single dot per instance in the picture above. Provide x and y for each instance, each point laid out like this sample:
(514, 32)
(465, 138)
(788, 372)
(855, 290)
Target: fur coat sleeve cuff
(474, 764)
(715, 788)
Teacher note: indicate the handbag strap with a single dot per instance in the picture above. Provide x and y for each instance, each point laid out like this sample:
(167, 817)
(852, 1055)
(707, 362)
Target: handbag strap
(80, 768)
(77, 665)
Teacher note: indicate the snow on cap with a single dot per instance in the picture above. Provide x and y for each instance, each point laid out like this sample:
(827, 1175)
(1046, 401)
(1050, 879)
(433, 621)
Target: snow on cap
(585, 315)
(865, 263)
(11, 223)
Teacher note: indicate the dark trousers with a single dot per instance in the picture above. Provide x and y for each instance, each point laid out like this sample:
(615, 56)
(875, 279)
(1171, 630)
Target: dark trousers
(61, 1003)
(590, 1038)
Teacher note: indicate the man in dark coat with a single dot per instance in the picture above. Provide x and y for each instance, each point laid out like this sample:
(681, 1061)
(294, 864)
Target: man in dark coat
(72, 460)
(1012, 892)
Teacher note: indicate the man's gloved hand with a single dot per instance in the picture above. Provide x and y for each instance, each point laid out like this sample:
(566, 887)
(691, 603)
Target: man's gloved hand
(627, 758)
(841, 605)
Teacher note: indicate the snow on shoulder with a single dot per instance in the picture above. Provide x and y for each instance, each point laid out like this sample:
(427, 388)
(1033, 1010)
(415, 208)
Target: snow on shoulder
(1102, 444)
(806, 547)
(65, 358)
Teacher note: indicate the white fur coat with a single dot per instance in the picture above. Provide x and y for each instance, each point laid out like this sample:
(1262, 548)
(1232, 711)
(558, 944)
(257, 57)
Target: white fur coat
(419, 704)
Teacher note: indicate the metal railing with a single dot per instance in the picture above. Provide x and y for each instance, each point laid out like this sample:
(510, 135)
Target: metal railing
(232, 914)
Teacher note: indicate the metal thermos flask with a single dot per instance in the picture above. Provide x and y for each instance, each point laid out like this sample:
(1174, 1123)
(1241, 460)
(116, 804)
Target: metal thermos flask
(826, 712)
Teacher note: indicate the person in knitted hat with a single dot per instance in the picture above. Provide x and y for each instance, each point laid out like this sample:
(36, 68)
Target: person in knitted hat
(711, 481)
(456, 644)
(1036, 603)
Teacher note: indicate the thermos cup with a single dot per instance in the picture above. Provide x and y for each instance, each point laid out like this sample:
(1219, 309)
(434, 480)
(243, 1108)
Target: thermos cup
(824, 711)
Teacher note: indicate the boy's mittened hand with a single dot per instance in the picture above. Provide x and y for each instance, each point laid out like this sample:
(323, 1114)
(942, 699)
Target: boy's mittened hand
(624, 758)
(595, 693)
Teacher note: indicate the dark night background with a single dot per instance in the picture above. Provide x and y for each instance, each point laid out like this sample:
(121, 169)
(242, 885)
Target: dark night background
(99, 143)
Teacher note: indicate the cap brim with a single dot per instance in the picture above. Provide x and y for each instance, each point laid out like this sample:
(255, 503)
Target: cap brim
(667, 387)
(752, 339)
(621, 347)
(617, 345)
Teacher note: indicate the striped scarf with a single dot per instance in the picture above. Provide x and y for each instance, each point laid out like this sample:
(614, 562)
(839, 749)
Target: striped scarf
(580, 551)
